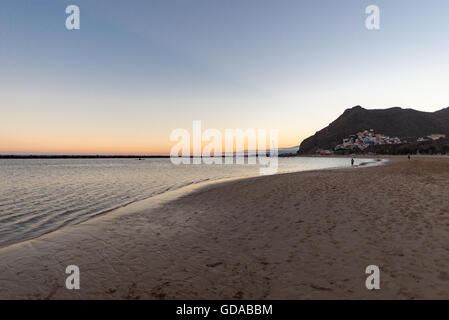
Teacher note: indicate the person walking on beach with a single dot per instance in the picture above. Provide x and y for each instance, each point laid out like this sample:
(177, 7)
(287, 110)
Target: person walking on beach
(352, 162)
(409, 156)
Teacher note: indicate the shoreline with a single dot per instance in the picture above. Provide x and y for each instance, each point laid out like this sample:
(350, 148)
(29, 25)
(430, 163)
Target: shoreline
(155, 200)
(285, 236)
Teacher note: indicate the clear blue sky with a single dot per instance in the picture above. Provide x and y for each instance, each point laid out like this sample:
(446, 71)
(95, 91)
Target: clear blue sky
(136, 70)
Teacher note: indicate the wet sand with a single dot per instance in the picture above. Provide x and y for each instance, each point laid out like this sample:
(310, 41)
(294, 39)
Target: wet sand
(290, 236)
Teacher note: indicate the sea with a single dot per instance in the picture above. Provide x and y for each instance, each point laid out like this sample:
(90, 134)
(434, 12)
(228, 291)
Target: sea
(38, 196)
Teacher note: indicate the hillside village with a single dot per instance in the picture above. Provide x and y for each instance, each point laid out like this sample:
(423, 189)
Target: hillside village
(362, 140)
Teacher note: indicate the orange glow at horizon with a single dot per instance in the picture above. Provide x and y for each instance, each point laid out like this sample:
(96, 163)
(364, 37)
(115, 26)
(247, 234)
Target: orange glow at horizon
(128, 146)
(39, 146)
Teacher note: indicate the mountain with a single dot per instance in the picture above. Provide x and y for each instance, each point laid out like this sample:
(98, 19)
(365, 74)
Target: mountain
(392, 122)
(290, 150)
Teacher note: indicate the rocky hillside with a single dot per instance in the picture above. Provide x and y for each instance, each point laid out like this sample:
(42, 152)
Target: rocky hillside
(396, 121)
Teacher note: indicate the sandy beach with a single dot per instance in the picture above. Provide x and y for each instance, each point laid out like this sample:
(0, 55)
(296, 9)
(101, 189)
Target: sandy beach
(290, 236)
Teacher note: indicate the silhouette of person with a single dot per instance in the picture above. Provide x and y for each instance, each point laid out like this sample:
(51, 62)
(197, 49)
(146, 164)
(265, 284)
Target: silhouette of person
(352, 161)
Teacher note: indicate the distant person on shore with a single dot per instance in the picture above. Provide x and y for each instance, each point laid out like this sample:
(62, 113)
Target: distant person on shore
(352, 162)
(409, 156)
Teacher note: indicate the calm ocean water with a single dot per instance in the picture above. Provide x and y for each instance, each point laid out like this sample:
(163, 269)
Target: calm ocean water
(39, 196)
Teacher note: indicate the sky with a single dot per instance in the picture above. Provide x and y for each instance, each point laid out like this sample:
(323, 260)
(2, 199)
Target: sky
(137, 70)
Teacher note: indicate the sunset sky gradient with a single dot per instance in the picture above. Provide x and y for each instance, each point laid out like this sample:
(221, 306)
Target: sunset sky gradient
(136, 70)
